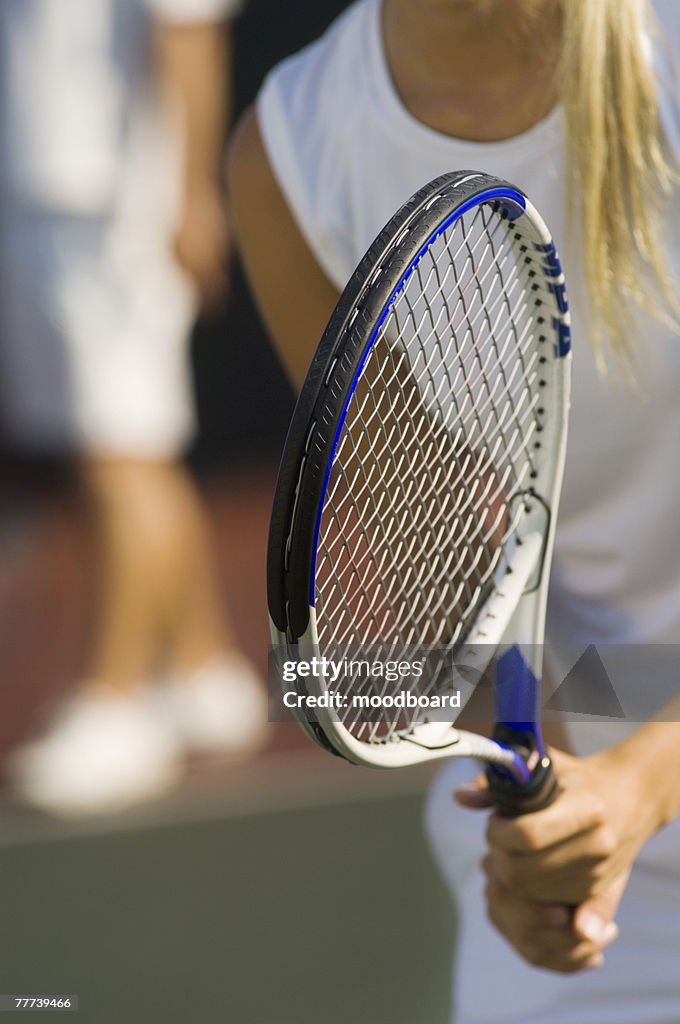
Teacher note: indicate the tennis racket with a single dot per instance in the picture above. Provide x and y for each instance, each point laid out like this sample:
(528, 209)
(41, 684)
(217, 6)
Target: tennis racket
(417, 495)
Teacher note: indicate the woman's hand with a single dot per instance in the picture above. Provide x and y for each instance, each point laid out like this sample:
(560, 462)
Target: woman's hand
(202, 245)
(577, 854)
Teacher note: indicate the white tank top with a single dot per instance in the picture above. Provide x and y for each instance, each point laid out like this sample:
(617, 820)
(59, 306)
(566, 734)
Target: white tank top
(346, 154)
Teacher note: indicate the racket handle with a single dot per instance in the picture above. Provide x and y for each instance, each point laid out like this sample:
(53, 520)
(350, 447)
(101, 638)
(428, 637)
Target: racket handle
(512, 798)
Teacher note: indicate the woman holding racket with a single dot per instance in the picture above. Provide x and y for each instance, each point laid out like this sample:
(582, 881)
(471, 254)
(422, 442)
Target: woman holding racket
(578, 105)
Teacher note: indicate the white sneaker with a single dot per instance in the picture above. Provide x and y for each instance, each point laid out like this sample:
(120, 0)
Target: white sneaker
(220, 708)
(105, 752)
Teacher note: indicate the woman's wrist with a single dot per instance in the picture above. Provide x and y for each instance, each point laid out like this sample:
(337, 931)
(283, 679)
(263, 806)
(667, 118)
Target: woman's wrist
(647, 771)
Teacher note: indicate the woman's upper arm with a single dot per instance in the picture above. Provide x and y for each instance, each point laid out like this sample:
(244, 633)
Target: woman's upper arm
(294, 296)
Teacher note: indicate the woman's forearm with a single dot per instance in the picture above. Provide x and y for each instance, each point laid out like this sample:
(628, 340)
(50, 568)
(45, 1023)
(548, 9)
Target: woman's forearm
(653, 755)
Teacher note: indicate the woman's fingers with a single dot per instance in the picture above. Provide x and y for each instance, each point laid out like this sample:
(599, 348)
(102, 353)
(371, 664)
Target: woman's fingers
(594, 917)
(474, 794)
(544, 934)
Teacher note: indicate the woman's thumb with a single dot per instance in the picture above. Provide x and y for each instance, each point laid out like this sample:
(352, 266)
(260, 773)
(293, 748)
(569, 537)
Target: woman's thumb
(474, 794)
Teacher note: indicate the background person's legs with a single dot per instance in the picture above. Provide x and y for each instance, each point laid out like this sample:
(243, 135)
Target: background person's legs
(158, 599)
(157, 621)
(160, 615)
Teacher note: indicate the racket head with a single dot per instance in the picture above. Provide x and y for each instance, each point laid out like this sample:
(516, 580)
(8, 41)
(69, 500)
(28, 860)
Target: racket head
(438, 393)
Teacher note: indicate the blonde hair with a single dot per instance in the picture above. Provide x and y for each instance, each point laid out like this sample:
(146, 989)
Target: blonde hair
(619, 172)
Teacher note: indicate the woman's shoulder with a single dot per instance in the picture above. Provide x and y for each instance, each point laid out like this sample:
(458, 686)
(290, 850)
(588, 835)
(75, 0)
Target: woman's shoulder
(319, 85)
(308, 115)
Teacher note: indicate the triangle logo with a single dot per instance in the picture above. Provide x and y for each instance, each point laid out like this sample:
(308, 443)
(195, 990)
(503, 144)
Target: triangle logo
(587, 689)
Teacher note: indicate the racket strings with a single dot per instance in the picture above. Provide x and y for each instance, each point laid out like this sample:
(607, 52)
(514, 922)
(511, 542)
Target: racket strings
(471, 402)
(437, 435)
(420, 516)
(368, 481)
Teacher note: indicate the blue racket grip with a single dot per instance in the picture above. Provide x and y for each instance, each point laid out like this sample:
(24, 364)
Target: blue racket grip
(518, 729)
(512, 798)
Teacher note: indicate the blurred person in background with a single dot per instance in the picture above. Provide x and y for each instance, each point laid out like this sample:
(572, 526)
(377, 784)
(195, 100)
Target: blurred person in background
(112, 238)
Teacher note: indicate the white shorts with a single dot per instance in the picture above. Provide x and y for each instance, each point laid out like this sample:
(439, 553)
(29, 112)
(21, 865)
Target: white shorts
(93, 339)
(639, 983)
